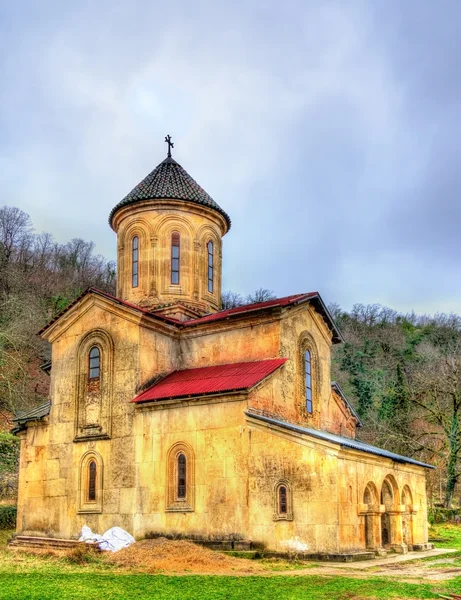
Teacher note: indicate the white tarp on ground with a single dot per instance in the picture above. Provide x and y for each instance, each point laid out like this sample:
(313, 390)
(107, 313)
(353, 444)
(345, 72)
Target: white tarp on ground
(113, 539)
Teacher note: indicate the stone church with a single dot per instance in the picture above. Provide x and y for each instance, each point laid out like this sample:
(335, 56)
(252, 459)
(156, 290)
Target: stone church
(169, 415)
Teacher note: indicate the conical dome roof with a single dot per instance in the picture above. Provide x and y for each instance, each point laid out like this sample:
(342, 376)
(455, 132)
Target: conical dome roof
(169, 180)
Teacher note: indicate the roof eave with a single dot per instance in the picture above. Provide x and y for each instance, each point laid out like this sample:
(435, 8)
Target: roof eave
(337, 336)
(339, 391)
(221, 393)
(165, 321)
(343, 443)
(226, 220)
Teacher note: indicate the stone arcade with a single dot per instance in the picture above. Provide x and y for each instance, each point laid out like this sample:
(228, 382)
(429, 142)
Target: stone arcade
(168, 415)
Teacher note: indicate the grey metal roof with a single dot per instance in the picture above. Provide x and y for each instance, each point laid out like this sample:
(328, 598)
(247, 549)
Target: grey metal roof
(35, 414)
(339, 439)
(339, 391)
(169, 180)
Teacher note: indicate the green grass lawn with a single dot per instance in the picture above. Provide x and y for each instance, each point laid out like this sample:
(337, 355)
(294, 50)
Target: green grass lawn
(28, 577)
(91, 586)
(447, 535)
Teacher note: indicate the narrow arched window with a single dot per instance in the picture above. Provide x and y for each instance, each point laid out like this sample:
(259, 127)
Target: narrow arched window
(181, 491)
(134, 261)
(308, 375)
(175, 249)
(92, 481)
(95, 363)
(283, 501)
(210, 266)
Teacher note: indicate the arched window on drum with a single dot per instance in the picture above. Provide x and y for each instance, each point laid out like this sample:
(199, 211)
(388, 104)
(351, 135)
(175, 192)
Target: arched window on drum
(210, 254)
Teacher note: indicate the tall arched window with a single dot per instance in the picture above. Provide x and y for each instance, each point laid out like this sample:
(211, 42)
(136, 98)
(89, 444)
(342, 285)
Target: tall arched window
(134, 261)
(308, 376)
(283, 502)
(182, 477)
(283, 506)
(175, 240)
(92, 472)
(90, 483)
(94, 363)
(180, 496)
(210, 267)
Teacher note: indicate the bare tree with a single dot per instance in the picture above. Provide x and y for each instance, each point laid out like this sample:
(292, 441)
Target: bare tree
(231, 299)
(435, 389)
(38, 278)
(260, 295)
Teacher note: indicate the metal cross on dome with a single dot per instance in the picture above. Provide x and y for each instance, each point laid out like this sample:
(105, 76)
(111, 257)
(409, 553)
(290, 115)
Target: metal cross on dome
(170, 144)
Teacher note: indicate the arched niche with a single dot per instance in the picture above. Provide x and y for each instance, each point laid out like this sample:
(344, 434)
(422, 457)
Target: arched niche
(93, 401)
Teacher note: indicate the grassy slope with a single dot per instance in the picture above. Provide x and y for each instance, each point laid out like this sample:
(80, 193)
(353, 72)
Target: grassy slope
(27, 577)
(447, 534)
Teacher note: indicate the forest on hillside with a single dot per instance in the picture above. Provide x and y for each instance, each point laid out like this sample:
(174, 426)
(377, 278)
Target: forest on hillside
(38, 278)
(401, 372)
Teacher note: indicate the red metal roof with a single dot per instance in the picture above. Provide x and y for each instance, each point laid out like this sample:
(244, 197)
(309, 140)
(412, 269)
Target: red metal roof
(277, 302)
(218, 316)
(210, 380)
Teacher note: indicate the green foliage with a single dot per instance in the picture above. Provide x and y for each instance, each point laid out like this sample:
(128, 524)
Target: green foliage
(437, 514)
(9, 453)
(59, 303)
(7, 516)
(403, 375)
(363, 379)
(395, 405)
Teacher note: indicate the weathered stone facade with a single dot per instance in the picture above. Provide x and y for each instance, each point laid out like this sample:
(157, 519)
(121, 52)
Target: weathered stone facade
(260, 465)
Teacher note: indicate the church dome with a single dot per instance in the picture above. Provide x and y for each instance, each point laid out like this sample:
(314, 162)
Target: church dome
(169, 181)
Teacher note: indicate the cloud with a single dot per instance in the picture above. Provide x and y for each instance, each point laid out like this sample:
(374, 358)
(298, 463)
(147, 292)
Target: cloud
(325, 130)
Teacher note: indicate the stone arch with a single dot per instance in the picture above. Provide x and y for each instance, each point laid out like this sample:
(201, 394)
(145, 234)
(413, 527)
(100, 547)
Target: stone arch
(306, 341)
(390, 518)
(407, 498)
(371, 514)
(93, 401)
(370, 494)
(390, 495)
(167, 222)
(407, 516)
(186, 502)
(90, 482)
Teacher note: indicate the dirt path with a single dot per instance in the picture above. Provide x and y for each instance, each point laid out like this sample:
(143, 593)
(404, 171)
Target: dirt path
(407, 567)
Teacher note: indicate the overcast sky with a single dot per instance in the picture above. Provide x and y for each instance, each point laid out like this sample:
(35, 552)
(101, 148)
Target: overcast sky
(328, 130)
